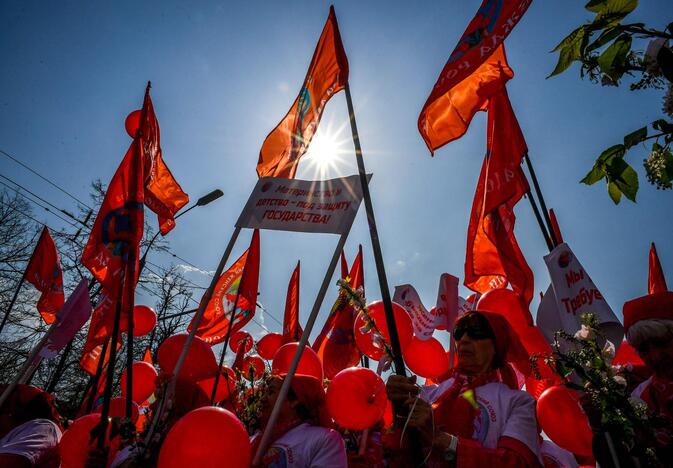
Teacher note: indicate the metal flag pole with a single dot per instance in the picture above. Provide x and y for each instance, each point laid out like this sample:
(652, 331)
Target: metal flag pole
(540, 222)
(188, 342)
(543, 205)
(398, 360)
(284, 389)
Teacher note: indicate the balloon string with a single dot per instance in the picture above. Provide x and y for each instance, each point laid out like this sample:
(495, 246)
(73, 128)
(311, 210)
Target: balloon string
(406, 423)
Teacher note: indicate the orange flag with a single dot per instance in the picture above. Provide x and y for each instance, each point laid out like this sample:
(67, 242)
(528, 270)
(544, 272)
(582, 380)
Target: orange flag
(327, 74)
(147, 357)
(292, 330)
(336, 343)
(656, 282)
(476, 65)
(493, 256)
(114, 241)
(163, 194)
(44, 272)
(243, 275)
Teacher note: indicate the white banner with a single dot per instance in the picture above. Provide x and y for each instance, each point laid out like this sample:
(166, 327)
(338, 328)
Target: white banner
(573, 293)
(327, 206)
(442, 315)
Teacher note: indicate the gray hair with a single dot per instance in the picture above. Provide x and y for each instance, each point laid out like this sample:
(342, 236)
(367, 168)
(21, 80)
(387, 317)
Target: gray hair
(646, 330)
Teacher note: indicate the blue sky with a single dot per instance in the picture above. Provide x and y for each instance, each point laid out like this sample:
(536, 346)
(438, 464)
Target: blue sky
(223, 76)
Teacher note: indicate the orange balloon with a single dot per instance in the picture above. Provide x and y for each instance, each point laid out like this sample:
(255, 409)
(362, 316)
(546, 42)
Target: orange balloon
(144, 320)
(76, 442)
(206, 437)
(426, 358)
(144, 381)
(118, 409)
(562, 418)
(365, 340)
(309, 363)
(356, 398)
(269, 344)
(200, 363)
(132, 123)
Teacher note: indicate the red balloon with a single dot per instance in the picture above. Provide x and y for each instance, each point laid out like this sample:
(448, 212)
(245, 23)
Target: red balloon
(76, 442)
(241, 337)
(200, 363)
(206, 437)
(118, 409)
(356, 398)
(426, 358)
(562, 418)
(256, 364)
(364, 340)
(225, 385)
(132, 123)
(144, 381)
(269, 344)
(144, 320)
(309, 364)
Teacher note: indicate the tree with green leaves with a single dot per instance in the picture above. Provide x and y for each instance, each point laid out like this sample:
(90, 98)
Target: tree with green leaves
(606, 49)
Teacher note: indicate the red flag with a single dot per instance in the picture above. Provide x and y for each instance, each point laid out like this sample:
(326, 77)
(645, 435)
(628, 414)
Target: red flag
(114, 241)
(242, 276)
(336, 343)
(462, 88)
(44, 272)
(493, 256)
(163, 194)
(148, 356)
(555, 226)
(292, 330)
(327, 74)
(656, 282)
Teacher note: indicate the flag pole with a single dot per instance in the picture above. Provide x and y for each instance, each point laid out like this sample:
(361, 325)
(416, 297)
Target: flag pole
(228, 337)
(284, 389)
(96, 378)
(16, 295)
(107, 394)
(398, 360)
(376, 245)
(543, 205)
(130, 293)
(536, 211)
(188, 342)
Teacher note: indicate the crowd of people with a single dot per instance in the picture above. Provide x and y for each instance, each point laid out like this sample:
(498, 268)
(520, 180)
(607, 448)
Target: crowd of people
(477, 414)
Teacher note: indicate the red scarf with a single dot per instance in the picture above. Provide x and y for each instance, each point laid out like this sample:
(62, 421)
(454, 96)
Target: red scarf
(455, 410)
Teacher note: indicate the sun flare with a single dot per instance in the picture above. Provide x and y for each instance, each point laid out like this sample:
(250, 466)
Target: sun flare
(327, 150)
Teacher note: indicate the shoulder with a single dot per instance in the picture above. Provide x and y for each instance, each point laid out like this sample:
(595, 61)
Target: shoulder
(431, 393)
(500, 391)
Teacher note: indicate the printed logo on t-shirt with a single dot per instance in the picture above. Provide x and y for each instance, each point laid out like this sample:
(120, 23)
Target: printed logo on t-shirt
(484, 419)
(277, 457)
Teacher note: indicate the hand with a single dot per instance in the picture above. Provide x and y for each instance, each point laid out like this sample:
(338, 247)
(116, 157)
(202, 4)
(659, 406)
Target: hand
(400, 388)
(421, 417)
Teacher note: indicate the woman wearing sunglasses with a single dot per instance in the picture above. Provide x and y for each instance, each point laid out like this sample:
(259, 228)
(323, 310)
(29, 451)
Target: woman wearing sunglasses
(476, 416)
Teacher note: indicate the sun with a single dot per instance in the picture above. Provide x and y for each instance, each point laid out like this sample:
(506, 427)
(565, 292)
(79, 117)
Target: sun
(327, 150)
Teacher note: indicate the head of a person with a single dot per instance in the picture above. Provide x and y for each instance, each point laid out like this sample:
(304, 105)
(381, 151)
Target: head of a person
(305, 400)
(24, 404)
(475, 343)
(648, 321)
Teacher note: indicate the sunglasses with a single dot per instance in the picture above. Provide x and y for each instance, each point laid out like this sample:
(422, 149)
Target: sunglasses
(474, 332)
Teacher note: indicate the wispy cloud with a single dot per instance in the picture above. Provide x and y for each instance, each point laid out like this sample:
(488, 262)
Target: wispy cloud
(191, 269)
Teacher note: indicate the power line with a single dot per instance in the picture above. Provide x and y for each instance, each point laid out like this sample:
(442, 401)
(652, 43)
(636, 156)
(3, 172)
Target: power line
(38, 204)
(45, 179)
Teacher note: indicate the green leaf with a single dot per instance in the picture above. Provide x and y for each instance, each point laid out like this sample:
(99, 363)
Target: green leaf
(615, 151)
(636, 137)
(621, 174)
(605, 37)
(570, 49)
(595, 174)
(614, 57)
(614, 192)
(614, 11)
(596, 6)
(663, 126)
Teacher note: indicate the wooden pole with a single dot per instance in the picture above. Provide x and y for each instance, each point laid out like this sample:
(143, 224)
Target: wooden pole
(284, 389)
(99, 373)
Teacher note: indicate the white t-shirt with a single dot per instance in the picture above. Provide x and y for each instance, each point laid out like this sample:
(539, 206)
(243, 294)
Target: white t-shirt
(34, 440)
(504, 412)
(307, 446)
(553, 455)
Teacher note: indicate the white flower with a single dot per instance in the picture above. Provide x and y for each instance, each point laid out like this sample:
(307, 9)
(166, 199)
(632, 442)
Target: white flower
(620, 380)
(638, 404)
(608, 352)
(585, 333)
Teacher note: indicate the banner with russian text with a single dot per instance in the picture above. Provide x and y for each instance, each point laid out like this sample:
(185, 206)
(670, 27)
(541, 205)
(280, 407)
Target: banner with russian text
(326, 206)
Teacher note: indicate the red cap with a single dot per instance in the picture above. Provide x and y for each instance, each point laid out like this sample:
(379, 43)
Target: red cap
(652, 306)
